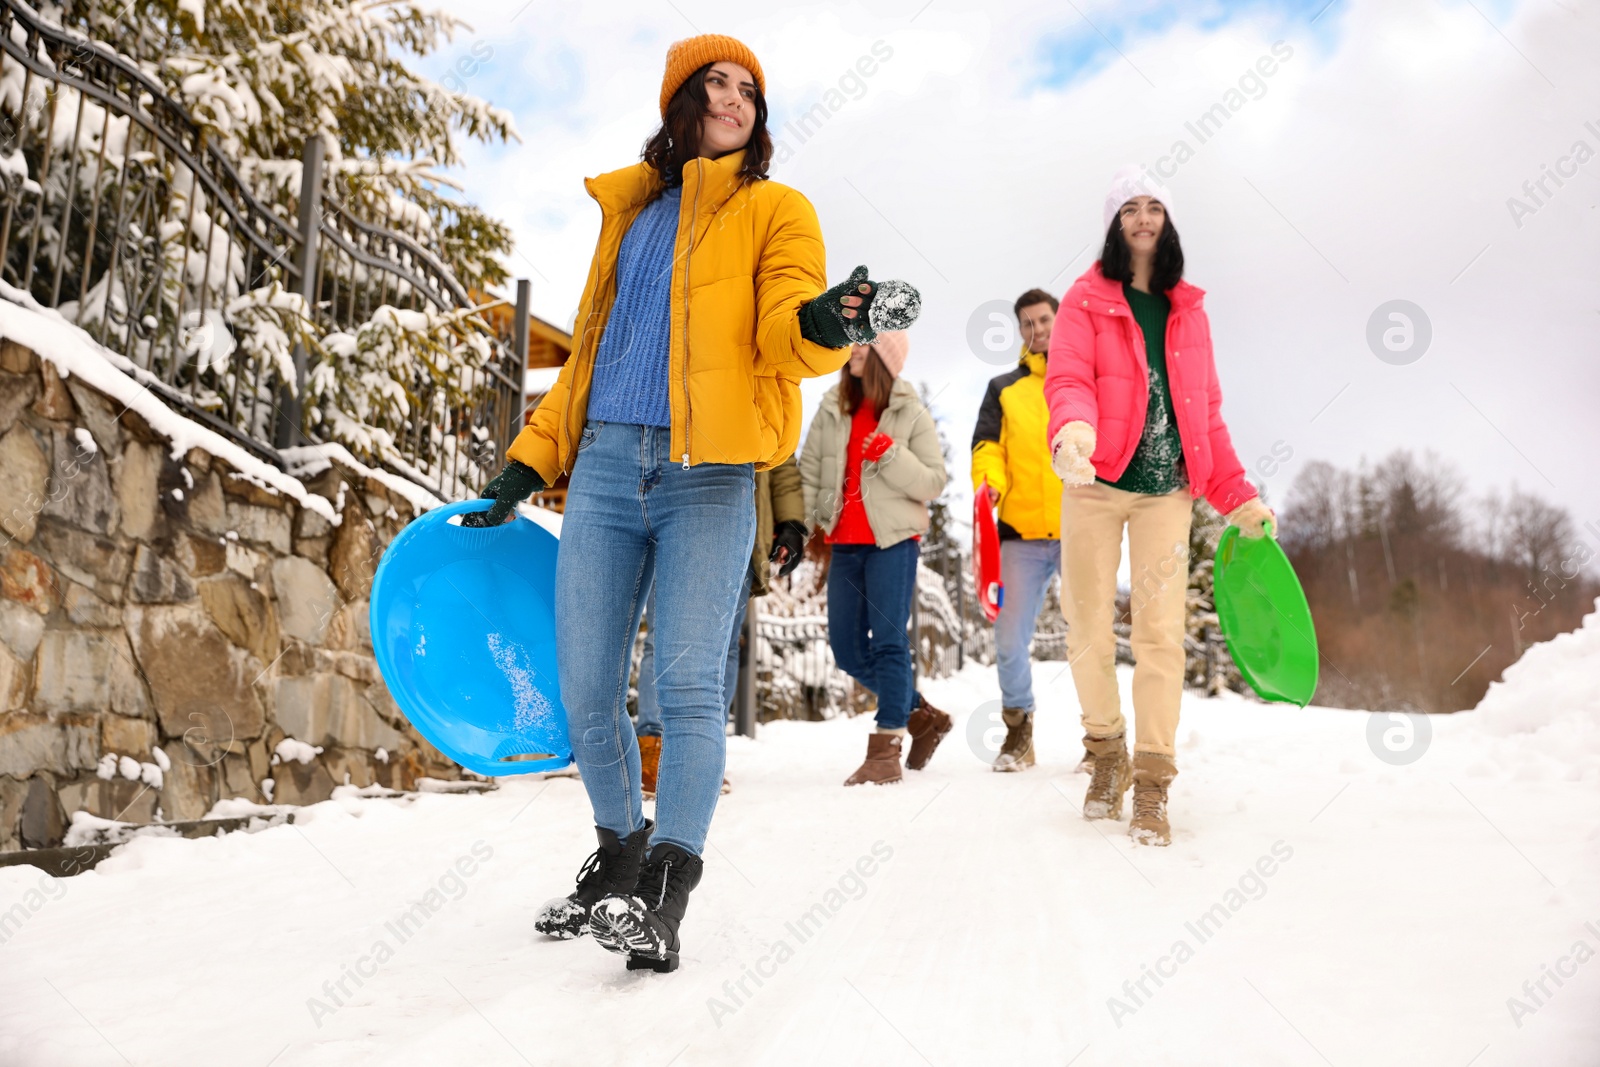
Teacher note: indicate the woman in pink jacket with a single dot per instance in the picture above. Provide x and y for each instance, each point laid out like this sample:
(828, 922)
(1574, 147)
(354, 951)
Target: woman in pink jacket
(1136, 433)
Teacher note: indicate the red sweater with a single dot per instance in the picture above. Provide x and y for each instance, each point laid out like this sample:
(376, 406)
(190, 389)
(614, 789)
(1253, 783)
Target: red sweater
(853, 527)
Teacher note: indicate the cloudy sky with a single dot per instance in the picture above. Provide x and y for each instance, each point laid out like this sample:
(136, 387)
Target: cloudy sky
(1377, 162)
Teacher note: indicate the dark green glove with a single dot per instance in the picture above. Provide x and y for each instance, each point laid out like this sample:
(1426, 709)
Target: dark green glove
(515, 482)
(788, 546)
(823, 320)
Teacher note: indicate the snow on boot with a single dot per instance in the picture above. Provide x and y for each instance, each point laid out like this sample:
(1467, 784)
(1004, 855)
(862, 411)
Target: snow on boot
(1111, 778)
(649, 763)
(882, 765)
(643, 924)
(1016, 754)
(927, 727)
(1152, 773)
(612, 868)
(1086, 764)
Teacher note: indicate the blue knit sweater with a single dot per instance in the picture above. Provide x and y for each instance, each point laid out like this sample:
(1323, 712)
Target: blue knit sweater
(630, 373)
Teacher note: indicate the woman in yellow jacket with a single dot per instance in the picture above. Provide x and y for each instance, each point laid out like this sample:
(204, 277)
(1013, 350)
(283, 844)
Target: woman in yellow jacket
(705, 305)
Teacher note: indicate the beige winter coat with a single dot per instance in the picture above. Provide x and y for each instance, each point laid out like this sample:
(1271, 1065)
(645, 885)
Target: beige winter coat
(778, 499)
(896, 489)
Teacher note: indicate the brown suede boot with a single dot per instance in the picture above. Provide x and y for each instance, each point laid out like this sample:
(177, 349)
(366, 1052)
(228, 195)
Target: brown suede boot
(1152, 773)
(882, 765)
(649, 763)
(1111, 778)
(927, 727)
(1016, 753)
(1086, 764)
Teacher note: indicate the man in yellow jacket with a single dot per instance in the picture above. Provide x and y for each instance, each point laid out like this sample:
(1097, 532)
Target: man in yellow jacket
(1011, 452)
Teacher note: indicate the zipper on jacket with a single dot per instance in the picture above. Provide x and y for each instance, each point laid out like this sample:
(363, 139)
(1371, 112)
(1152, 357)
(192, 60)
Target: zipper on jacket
(566, 423)
(563, 443)
(694, 216)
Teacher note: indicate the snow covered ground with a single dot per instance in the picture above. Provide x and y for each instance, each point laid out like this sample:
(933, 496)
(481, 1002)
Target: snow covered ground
(1319, 905)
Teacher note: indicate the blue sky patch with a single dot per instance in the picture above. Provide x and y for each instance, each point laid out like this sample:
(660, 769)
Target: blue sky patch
(1082, 46)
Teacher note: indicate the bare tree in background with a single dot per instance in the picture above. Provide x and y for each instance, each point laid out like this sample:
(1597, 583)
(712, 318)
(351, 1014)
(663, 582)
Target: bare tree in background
(1420, 597)
(1421, 497)
(1319, 503)
(1536, 533)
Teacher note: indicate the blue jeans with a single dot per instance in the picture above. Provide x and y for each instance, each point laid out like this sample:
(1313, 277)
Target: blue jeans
(869, 604)
(634, 516)
(649, 718)
(1026, 568)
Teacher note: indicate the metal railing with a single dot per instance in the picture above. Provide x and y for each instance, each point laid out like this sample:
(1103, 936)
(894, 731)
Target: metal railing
(792, 674)
(793, 670)
(122, 212)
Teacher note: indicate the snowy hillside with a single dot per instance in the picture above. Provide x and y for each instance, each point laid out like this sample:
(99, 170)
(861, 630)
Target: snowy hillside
(1321, 904)
(1550, 700)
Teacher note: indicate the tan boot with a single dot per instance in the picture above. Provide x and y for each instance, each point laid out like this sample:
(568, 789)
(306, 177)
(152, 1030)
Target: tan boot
(1111, 778)
(1152, 773)
(649, 763)
(1016, 753)
(1086, 764)
(882, 765)
(927, 727)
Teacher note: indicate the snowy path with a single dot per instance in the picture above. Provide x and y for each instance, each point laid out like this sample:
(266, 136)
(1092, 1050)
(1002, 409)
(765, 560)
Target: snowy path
(1404, 906)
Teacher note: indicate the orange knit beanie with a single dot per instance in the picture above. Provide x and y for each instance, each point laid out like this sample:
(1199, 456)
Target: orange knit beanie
(690, 54)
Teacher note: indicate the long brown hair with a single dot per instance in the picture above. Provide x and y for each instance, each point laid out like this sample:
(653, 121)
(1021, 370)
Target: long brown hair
(874, 385)
(677, 140)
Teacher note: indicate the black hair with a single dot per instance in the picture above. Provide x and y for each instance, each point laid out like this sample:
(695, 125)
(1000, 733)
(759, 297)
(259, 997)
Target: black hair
(1116, 259)
(677, 140)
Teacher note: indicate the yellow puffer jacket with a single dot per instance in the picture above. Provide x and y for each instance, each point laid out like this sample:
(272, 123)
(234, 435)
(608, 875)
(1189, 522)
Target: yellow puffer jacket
(1010, 447)
(747, 256)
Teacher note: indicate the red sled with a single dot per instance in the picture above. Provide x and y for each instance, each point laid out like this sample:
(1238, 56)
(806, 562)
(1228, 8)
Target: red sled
(986, 554)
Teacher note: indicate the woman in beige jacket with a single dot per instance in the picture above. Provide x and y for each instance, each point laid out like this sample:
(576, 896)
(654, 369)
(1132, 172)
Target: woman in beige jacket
(871, 463)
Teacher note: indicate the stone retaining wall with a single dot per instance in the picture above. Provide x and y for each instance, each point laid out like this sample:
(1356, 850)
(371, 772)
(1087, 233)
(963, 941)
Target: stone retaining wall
(172, 614)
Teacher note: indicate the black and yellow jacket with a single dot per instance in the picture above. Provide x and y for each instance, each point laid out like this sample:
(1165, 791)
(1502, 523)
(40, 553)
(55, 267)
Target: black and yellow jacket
(1011, 448)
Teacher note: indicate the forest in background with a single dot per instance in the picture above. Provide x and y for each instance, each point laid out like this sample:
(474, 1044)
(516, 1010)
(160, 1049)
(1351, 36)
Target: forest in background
(1423, 594)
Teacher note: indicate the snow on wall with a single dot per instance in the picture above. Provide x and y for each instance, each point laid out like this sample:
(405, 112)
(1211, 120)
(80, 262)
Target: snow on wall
(72, 351)
(308, 461)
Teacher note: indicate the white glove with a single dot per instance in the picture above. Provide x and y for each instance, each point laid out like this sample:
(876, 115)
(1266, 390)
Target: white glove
(1251, 516)
(1070, 452)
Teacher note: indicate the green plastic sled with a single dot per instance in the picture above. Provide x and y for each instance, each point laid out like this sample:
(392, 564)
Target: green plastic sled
(1265, 618)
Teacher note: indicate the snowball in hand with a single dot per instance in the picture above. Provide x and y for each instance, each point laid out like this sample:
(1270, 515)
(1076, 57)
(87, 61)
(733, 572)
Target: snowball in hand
(895, 306)
(892, 305)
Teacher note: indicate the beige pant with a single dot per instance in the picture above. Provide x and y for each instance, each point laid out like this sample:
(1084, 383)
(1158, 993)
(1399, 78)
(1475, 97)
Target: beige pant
(1092, 518)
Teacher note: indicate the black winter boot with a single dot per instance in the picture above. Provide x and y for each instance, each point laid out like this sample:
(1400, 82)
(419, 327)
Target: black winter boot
(643, 924)
(611, 868)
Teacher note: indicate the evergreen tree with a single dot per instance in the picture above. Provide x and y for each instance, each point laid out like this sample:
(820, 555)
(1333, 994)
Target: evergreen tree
(943, 569)
(265, 75)
(183, 296)
(1207, 664)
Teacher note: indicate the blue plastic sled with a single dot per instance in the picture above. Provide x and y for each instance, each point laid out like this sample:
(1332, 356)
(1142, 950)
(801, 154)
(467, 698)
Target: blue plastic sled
(464, 627)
